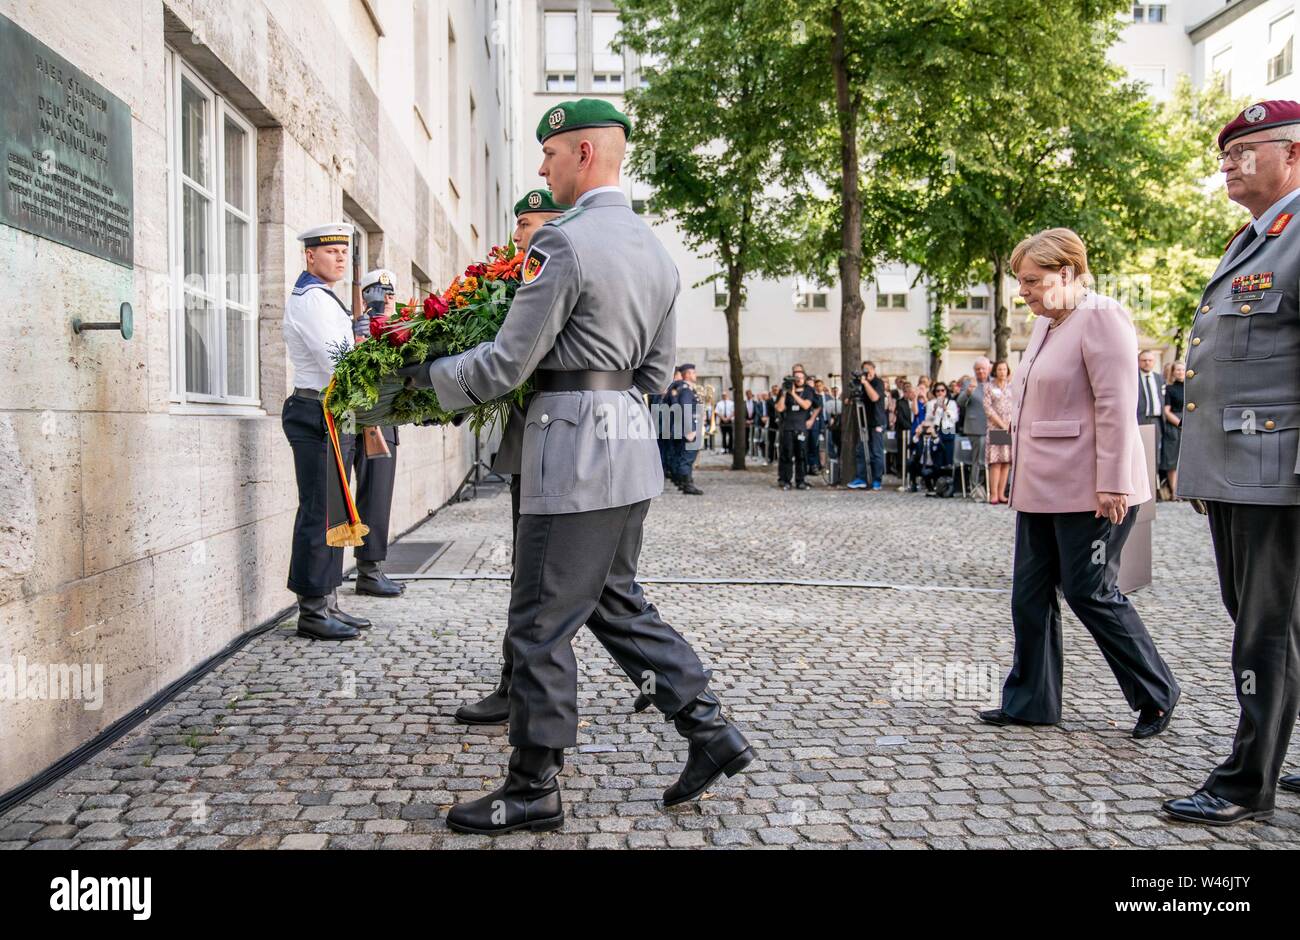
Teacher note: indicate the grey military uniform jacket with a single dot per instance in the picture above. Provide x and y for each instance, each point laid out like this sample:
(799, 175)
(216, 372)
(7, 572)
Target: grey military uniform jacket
(599, 293)
(1241, 421)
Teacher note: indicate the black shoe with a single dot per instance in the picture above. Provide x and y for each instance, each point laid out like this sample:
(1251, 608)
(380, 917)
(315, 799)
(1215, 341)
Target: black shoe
(530, 798)
(1204, 807)
(493, 710)
(689, 487)
(717, 747)
(377, 584)
(1290, 782)
(642, 702)
(316, 623)
(802, 486)
(785, 486)
(996, 716)
(357, 623)
(1150, 724)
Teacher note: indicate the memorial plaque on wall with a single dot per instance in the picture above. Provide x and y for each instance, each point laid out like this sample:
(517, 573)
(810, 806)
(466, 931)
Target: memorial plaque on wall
(66, 146)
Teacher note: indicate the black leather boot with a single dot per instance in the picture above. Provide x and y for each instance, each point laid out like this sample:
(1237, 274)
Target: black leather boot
(1290, 782)
(372, 580)
(493, 710)
(717, 748)
(529, 800)
(688, 486)
(359, 623)
(315, 622)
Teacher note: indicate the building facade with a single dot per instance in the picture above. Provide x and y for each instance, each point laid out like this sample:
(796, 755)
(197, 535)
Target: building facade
(150, 493)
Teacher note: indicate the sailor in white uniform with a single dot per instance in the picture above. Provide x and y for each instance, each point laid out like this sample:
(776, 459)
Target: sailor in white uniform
(315, 321)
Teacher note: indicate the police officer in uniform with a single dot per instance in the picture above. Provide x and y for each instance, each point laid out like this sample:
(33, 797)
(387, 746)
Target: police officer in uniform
(375, 475)
(682, 394)
(594, 323)
(657, 402)
(1240, 456)
(314, 321)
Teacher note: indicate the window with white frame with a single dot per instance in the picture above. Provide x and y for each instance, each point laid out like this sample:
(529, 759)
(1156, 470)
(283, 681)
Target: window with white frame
(606, 54)
(212, 236)
(973, 303)
(891, 301)
(809, 296)
(1221, 64)
(1281, 42)
(562, 51)
(1148, 13)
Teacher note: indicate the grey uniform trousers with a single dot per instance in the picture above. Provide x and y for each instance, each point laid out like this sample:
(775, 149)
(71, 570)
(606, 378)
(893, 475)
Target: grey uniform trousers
(1257, 550)
(576, 568)
(1079, 554)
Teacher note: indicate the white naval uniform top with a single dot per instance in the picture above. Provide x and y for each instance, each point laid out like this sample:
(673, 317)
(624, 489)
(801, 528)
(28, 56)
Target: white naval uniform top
(314, 320)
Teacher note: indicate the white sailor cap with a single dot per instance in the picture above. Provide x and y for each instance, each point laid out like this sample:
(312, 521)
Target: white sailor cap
(335, 233)
(381, 276)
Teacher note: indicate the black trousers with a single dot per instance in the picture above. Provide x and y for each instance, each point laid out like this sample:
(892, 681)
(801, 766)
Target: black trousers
(1257, 551)
(576, 568)
(315, 569)
(726, 436)
(375, 478)
(1078, 554)
(793, 451)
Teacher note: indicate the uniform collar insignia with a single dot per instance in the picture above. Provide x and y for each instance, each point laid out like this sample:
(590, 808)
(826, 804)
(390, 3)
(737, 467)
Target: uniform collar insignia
(1280, 223)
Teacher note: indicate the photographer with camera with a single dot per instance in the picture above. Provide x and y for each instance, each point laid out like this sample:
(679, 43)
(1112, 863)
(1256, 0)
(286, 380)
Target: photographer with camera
(929, 464)
(868, 389)
(798, 406)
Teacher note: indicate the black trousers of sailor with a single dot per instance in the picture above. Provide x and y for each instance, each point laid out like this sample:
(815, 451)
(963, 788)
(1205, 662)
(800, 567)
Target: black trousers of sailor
(1257, 551)
(375, 478)
(1077, 554)
(576, 568)
(315, 569)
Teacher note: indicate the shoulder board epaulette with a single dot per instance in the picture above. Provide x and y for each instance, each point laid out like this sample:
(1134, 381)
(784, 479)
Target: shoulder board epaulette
(1280, 223)
(568, 216)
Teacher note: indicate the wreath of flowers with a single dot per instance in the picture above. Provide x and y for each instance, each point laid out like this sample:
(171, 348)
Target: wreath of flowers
(366, 389)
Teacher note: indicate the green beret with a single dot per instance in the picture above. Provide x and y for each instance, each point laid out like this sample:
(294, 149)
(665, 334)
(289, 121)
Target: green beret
(538, 200)
(585, 112)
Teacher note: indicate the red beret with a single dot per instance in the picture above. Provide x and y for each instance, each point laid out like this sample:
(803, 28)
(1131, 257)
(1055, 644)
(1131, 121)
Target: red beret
(1259, 116)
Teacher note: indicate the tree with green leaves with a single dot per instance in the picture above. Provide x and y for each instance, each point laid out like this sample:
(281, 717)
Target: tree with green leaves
(1199, 217)
(710, 123)
(1026, 125)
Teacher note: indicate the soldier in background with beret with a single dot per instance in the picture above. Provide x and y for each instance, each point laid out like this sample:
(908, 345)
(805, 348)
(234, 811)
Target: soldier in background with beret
(1240, 456)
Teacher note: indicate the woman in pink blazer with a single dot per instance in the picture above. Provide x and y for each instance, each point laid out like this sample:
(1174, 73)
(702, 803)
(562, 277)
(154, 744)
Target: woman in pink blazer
(1078, 475)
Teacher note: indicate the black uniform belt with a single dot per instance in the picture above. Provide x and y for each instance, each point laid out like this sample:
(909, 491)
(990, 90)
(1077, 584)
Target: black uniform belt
(582, 380)
(308, 393)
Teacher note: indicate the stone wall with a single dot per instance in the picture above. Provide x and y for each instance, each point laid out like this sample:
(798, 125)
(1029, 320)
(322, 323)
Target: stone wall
(136, 534)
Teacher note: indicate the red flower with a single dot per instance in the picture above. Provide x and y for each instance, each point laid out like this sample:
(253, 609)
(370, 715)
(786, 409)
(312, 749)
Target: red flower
(476, 270)
(435, 307)
(377, 324)
(400, 337)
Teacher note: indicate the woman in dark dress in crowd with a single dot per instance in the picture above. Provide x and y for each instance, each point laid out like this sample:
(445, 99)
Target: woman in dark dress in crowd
(1173, 429)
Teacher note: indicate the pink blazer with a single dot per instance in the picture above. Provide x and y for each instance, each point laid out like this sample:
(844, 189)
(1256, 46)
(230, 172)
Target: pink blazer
(1074, 424)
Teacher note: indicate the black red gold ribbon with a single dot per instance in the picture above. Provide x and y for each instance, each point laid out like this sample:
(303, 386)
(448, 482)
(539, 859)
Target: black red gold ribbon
(343, 527)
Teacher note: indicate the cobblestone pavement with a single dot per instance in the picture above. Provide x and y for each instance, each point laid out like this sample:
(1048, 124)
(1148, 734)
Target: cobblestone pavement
(863, 739)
